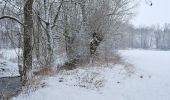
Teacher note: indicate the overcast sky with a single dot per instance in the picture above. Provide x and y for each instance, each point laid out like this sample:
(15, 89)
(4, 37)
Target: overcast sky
(147, 15)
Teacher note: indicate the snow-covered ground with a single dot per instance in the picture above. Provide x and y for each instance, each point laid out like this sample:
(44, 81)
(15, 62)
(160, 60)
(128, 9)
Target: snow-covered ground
(8, 68)
(10, 54)
(149, 79)
(8, 62)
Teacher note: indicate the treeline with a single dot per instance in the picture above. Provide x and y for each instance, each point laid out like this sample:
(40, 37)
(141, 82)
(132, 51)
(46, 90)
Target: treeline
(154, 37)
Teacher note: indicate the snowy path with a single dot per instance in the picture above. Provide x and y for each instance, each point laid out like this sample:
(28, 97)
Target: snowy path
(151, 81)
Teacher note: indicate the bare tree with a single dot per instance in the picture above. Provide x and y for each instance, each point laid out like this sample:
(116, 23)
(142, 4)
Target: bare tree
(28, 32)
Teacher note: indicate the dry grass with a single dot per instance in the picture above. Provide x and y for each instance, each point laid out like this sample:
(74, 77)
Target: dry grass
(46, 71)
(112, 58)
(91, 80)
(7, 95)
(36, 81)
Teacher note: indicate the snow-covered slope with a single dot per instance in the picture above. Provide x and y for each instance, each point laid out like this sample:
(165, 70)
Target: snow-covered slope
(10, 54)
(8, 69)
(148, 80)
(8, 63)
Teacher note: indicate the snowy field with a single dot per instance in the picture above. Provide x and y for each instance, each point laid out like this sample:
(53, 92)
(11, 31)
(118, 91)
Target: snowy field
(147, 79)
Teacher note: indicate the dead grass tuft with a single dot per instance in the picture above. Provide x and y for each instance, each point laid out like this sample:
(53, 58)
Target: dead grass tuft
(46, 71)
(36, 81)
(7, 95)
(112, 58)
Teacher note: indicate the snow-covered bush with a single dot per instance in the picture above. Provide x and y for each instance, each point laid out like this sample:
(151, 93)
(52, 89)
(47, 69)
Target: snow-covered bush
(84, 78)
(92, 80)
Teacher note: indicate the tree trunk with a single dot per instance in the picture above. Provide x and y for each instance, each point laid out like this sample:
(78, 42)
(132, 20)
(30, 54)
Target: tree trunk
(49, 58)
(37, 36)
(27, 51)
(84, 56)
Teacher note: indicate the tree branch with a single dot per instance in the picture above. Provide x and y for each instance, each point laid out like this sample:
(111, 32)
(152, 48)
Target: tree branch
(57, 15)
(12, 18)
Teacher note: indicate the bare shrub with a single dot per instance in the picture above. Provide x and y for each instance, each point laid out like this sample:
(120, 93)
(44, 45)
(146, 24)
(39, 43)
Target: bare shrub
(33, 85)
(113, 58)
(90, 80)
(46, 71)
(36, 81)
(6, 95)
(69, 65)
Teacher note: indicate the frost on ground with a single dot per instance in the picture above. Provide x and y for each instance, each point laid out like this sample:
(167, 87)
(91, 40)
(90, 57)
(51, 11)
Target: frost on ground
(148, 80)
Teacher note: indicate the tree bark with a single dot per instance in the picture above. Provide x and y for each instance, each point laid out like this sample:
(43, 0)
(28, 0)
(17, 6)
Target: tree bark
(28, 32)
(49, 58)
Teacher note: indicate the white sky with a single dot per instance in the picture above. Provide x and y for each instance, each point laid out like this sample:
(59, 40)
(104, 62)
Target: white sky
(147, 15)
